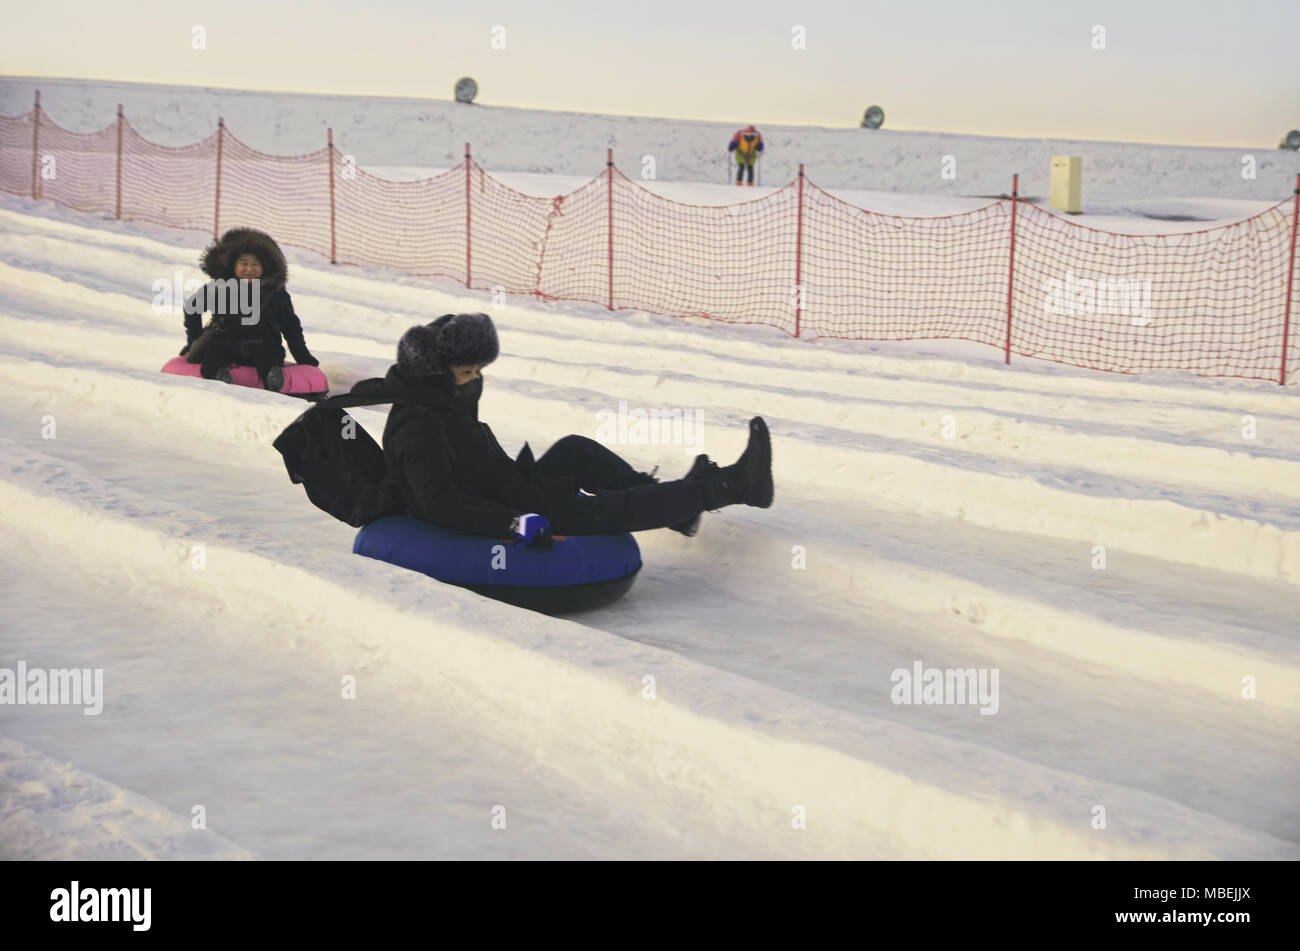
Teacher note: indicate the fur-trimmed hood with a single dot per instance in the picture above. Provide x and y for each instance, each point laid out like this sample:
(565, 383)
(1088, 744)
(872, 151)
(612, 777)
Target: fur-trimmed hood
(218, 260)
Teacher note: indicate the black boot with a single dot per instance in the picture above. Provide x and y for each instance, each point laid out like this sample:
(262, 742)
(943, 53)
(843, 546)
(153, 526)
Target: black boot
(274, 379)
(222, 374)
(749, 480)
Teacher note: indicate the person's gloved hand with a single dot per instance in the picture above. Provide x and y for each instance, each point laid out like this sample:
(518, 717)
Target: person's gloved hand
(185, 349)
(533, 529)
(306, 359)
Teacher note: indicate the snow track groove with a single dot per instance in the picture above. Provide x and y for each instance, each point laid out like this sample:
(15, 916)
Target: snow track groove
(928, 488)
(1210, 663)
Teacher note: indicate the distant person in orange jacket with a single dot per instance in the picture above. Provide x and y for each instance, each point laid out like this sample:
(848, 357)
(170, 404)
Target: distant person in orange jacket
(746, 143)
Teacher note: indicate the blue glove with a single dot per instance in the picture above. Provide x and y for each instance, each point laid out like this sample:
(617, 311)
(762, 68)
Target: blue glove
(533, 529)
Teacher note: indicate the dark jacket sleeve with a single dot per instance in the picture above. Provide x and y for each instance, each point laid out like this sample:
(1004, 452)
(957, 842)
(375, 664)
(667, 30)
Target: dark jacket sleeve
(424, 464)
(291, 327)
(194, 307)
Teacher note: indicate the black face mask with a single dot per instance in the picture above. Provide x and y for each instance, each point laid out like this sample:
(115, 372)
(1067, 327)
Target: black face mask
(468, 393)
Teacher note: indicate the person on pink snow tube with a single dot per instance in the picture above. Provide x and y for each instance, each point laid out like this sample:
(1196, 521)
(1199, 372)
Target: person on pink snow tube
(249, 338)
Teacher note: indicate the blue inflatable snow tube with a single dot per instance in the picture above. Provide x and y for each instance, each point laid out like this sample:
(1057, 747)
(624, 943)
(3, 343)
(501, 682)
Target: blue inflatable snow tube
(578, 572)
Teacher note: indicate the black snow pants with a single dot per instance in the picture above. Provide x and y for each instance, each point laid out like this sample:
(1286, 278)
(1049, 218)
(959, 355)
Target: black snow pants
(224, 350)
(623, 499)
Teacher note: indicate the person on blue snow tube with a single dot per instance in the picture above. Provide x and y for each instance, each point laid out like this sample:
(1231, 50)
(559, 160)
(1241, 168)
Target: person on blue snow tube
(447, 467)
(250, 310)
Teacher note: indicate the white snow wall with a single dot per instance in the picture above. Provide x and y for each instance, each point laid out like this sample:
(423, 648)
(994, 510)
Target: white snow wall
(432, 132)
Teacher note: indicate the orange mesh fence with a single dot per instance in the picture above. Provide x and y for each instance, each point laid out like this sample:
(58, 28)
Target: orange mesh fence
(16, 145)
(416, 227)
(882, 277)
(168, 186)
(281, 194)
(575, 263)
(1217, 302)
(76, 170)
(734, 263)
(509, 232)
(1213, 302)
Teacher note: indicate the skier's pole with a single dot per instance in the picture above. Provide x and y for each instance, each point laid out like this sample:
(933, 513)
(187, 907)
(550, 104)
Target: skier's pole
(467, 214)
(798, 258)
(1290, 282)
(609, 202)
(1011, 264)
(329, 157)
(216, 208)
(36, 146)
(118, 212)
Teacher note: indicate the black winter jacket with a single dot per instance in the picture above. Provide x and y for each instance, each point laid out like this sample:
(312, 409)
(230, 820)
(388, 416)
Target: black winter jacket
(276, 314)
(447, 468)
(276, 317)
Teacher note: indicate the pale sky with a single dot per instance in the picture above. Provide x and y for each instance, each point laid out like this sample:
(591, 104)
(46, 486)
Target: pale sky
(1200, 72)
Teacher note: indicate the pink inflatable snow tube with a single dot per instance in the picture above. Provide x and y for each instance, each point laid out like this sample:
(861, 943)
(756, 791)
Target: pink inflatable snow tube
(298, 379)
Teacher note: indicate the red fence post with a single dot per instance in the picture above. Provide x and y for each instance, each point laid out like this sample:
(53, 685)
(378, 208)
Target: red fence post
(1290, 281)
(467, 218)
(798, 258)
(216, 208)
(36, 146)
(1011, 264)
(609, 203)
(329, 156)
(118, 211)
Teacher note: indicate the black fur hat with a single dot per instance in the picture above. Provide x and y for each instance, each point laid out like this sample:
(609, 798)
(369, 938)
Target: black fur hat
(451, 340)
(218, 261)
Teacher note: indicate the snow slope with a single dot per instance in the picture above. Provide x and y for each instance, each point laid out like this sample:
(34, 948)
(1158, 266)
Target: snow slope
(433, 133)
(946, 509)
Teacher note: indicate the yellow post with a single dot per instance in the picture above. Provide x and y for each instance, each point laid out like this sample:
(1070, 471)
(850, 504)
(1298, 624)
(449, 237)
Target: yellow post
(1067, 183)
